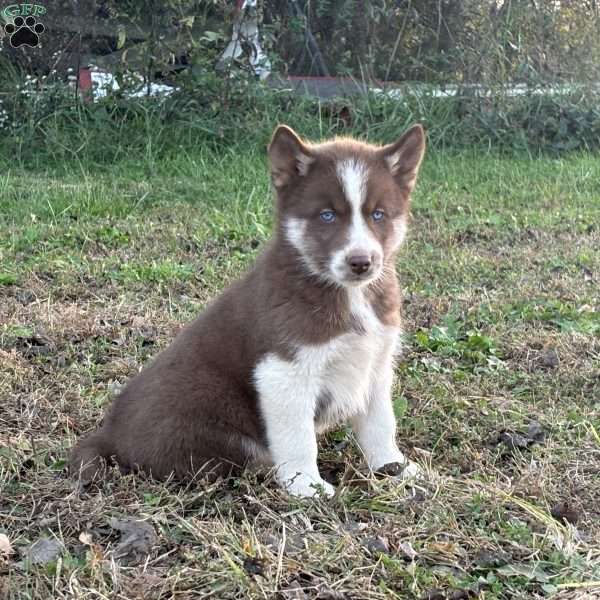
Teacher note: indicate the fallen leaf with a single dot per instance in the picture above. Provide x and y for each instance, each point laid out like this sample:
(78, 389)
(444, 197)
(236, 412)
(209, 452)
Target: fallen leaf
(517, 440)
(137, 539)
(5, 547)
(25, 297)
(85, 538)
(407, 550)
(535, 432)
(445, 549)
(36, 344)
(377, 545)
(565, 513)
(254, 566)
(513, 440)
(43, 551)
(145, 586)
(486, 559)
(550, 358)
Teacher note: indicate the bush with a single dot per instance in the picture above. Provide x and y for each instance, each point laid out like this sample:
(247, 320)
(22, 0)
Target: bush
(43, 122)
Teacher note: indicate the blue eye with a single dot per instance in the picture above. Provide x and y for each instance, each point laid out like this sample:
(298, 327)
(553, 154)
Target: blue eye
(377, 215)
(327, 216)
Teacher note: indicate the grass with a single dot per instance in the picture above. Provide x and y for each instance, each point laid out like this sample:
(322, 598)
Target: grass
(99, 269)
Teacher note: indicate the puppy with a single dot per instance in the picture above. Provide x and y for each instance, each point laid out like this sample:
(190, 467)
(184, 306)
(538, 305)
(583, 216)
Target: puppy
(303, 342)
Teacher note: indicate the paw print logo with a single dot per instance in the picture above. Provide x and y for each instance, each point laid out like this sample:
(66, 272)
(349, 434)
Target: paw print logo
(24, 32)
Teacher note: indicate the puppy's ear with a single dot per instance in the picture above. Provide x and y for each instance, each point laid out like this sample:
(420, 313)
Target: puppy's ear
(404, 157)
(289, 156)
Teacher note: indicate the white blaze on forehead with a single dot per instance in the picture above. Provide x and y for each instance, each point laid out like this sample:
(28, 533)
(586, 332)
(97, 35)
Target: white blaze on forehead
(353, 175)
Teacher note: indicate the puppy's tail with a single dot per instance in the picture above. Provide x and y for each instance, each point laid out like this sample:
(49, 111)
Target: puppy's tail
(88, 457)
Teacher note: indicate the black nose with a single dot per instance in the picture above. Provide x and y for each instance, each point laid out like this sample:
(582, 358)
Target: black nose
(359, 264)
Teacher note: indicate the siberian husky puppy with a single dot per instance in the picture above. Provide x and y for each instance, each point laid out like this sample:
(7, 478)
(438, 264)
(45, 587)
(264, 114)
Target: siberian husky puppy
(303, 342)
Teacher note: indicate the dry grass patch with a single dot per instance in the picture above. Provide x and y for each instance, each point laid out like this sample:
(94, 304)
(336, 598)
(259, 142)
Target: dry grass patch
(498, 390)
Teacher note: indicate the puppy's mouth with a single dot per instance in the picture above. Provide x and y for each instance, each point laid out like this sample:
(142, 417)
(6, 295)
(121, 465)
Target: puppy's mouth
(356, 280)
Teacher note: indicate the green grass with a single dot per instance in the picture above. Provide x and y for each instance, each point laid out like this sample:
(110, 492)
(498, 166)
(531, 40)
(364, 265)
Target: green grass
(100, 267)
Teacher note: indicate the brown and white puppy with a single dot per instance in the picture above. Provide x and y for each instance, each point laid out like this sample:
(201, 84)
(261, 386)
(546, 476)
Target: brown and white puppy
(303, 342)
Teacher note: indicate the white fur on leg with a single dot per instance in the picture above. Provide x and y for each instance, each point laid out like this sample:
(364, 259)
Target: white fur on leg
(305, 486)
(287, 396)
(376, 430)
(412, 471)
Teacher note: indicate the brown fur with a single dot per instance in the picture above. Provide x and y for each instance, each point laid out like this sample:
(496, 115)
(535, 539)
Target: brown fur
(195, 403)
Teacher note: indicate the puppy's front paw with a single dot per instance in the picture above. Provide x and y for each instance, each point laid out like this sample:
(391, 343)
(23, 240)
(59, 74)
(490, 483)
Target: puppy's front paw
(412, 471)
(307, 487)
(405, 470)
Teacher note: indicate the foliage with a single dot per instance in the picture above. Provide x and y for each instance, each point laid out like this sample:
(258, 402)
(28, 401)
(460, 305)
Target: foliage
(496, 44)
(437, 41)
(43, 120)
(484, 41)
(462, 348)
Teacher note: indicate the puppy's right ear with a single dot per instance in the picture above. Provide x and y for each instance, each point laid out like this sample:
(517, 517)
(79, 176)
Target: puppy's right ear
(289, 157)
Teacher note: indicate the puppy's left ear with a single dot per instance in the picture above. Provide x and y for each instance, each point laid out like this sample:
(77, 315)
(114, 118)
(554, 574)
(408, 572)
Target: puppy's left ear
(404, 157)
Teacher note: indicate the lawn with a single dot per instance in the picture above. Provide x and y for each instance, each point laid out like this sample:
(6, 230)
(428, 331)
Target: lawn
(498, 389)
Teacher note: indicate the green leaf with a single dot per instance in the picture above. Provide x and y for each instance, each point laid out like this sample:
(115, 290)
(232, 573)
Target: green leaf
(58, 465)
(549, 589)
(400, 407)
(7, 279)
(531, 572)
(19, 331)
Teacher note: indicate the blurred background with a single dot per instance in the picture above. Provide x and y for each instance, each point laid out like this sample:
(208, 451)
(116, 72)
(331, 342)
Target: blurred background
(515, 74)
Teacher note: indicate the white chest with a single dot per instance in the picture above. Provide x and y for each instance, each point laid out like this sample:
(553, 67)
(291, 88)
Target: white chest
(333, 380)
(343, 369)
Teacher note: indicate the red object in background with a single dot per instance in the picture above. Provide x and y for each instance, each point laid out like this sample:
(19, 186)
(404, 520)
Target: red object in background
(85, 84)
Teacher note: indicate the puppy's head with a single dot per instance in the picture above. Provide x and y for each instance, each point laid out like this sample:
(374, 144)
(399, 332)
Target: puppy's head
(343, 205)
